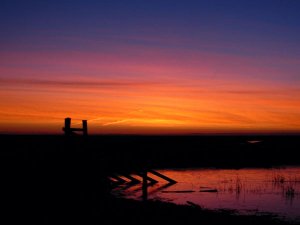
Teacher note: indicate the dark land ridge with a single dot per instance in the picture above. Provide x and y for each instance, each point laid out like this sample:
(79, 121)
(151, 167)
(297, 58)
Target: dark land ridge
(63, 180)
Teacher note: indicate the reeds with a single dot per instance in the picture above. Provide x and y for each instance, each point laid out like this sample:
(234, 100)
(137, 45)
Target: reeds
(290, 191)
(238, 185)
(287, 184)
(278, 178)
(232, 186)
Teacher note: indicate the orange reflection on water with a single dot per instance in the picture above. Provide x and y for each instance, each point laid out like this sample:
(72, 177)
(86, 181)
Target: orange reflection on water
(246, 190)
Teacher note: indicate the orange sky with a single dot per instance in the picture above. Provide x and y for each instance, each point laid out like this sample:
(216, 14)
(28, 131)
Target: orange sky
(165, 106)
(150, 67)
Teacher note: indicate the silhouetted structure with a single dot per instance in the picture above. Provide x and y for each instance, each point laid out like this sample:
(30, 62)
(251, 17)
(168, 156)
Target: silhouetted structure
(71, 131)
(119, 179)
(146, 180)
(145, 185)
(143, 174)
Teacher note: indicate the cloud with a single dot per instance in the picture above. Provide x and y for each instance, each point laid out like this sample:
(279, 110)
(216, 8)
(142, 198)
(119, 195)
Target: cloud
(75, 83)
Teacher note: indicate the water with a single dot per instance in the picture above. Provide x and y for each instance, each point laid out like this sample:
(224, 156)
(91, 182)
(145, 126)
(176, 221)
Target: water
(249, 191)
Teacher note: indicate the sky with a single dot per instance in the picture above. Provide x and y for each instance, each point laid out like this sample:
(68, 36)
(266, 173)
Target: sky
(150, 67)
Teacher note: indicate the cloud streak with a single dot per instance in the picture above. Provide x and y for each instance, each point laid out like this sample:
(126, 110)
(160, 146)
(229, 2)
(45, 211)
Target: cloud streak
(76, 83)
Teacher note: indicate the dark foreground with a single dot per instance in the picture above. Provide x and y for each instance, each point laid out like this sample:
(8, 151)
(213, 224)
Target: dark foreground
(83, 209)
(59, 180)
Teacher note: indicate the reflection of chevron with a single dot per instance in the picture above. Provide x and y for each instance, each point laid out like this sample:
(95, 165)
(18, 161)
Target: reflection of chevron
(119, 179)
(162, 176)
(152, 181)
(146, 181)
(131, 178)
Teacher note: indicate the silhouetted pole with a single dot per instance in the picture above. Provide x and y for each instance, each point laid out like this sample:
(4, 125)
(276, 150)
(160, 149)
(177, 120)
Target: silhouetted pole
(152, 181)
(145, 185)
(84, 127)
(67, 127)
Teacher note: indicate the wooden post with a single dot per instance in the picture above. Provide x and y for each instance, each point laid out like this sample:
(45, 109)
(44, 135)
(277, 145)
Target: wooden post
(152, 181)
(84, 127)
(69, 131)
(145, 186)
(67, 127)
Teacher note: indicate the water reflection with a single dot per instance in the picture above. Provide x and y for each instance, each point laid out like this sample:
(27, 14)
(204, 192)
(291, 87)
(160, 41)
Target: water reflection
(246, 190)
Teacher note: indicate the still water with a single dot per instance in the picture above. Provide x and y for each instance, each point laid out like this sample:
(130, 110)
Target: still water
(249, 191)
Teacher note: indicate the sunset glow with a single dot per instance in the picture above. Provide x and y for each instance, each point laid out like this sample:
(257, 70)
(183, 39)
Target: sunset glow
(129, 77)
